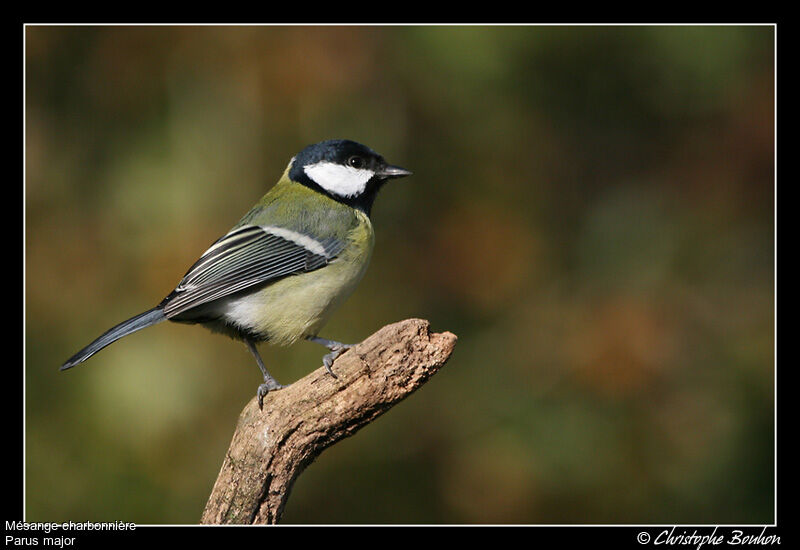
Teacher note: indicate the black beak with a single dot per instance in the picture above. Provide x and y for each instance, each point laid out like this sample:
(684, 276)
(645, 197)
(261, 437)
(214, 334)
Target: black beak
(390, 171)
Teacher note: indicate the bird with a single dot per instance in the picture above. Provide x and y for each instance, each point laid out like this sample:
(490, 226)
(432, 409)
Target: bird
(281, 271)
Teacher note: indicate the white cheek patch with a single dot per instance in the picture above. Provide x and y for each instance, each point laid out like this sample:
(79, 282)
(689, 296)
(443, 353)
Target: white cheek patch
(344, 181)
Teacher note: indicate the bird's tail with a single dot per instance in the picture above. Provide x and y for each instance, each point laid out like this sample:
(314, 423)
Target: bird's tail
(143, 320)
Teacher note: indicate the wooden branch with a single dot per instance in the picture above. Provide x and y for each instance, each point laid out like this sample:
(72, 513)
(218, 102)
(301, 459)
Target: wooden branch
(270, 448)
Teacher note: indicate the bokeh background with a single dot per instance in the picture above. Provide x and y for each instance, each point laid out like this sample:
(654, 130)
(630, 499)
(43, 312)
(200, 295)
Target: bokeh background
(592, 213)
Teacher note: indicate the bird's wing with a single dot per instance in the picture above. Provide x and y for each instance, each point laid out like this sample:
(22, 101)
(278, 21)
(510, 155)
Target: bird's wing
(245, 257)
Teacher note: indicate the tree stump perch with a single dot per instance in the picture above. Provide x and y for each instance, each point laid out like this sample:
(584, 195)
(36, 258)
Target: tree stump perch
(270, 448)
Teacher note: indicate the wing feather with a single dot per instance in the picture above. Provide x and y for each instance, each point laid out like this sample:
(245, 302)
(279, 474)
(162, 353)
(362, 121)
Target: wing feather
(245, 257)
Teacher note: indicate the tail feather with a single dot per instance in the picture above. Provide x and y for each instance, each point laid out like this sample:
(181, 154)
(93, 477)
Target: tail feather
(143, 320)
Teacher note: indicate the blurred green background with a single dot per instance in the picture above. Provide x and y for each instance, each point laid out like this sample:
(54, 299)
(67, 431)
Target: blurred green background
(591, 212)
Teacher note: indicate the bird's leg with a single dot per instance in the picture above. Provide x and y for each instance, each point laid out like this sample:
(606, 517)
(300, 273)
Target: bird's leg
(337, 348)
(269, 382)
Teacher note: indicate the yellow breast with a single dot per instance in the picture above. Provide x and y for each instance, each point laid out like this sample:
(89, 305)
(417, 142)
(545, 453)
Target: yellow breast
(300, 305)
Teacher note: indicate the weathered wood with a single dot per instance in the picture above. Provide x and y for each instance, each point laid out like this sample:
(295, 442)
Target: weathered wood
(270, 448)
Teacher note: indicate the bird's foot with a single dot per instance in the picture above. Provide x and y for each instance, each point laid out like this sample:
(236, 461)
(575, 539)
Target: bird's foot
(336, 351)
(268, 385)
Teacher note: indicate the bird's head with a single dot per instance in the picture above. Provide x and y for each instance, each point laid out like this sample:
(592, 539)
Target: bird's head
(347, 171)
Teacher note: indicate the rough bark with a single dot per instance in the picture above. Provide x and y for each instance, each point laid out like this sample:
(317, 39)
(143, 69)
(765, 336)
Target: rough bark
(270, 448)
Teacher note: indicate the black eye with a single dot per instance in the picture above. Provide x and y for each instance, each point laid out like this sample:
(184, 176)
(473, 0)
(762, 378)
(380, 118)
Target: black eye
(356, 162)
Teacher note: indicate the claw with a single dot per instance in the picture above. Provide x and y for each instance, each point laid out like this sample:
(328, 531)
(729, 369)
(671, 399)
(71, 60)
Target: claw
(337, 348)
(265, 388)
(328, 360)
(269, 382)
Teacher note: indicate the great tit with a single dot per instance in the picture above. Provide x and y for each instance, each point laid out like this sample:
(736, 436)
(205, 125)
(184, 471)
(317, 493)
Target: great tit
(290, 261)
